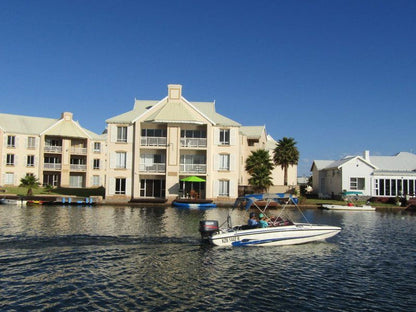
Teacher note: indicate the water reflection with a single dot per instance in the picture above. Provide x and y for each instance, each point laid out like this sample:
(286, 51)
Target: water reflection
(135, 258)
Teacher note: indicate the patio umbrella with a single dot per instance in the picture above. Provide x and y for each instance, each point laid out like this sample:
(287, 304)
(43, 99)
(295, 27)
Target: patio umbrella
(193, 179)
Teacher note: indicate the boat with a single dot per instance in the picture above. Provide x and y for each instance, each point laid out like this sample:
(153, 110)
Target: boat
(193, 203)
(348, 207)
(280, 231)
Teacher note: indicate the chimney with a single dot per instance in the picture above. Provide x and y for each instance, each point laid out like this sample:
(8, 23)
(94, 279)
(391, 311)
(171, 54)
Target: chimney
(66, 116)
(367, 155)
(174, 91)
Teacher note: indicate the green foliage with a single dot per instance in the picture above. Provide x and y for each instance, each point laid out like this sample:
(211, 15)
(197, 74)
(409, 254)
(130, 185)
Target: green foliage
(286, 154)
(30, 182)
(259, 165)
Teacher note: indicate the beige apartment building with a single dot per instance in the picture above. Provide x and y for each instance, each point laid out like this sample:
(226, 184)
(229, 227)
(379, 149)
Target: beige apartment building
(144, 155)
(59, 152)
(157, 144)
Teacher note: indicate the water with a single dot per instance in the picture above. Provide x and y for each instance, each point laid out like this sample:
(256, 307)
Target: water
(151, 259)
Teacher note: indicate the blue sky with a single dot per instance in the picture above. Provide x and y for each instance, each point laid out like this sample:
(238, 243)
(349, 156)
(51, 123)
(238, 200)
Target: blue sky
(337, 76)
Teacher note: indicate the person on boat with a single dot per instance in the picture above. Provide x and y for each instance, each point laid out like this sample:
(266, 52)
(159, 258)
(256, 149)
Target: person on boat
(263, 223)
(252, 222)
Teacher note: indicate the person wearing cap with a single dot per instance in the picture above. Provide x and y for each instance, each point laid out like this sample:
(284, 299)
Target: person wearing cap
(252, 222)
(263, 223)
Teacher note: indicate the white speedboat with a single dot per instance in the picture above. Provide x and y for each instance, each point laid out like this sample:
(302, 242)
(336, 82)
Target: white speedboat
(351, 208)
(278, 233)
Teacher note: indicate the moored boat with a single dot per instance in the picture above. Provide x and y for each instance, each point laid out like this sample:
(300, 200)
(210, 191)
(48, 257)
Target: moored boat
(193, 203)
(348, 207)
(279, 231)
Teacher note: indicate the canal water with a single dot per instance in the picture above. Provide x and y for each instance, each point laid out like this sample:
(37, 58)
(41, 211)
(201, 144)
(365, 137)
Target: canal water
(55, 258)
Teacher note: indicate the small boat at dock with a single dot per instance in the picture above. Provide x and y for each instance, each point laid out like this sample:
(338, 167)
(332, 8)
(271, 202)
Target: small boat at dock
(348, 207)
(193, 203)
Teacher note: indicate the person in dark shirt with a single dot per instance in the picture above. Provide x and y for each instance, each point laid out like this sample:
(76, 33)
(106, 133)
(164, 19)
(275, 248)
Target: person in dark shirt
(252, 222)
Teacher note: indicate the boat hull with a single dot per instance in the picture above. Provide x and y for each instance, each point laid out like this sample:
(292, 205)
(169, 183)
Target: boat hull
(190, 205)
(351, 208)
(298, 233)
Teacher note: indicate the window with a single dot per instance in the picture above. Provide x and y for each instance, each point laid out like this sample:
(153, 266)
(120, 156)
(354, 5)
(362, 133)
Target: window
(11, 141)
(96, 164)
(10, 160)
(96, 180)
(121, 160)
(193, 134)
(159, 133)
(31, 142)
(120, 186)
(357, 183)
(224, 162)
(224, 136)
(9, 178)
(97, 147)
(152, 188)
(30, 162)
(121, 134)
(224, 188)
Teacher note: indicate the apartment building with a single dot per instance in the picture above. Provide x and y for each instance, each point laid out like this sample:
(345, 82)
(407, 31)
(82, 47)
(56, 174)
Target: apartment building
(157, 144)
(59, 152)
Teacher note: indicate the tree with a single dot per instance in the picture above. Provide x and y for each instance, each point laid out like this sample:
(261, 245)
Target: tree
(259, 165)
(31, 182)
(286, 154)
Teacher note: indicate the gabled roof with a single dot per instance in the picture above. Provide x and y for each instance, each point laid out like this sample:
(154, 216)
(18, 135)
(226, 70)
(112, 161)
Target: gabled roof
(24, 124)
(337, 164)
(402, 161)
(67, 128)
(321, 164)
(252, 132)
(18, 124)
(181, 111)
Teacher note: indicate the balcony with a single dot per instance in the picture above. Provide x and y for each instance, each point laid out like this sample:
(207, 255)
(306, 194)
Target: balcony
(79, 150)
(53, 149)
(194, 142)
(194, 168)
(152, 141)
(78, 167)
(153, 168)
(52, 166)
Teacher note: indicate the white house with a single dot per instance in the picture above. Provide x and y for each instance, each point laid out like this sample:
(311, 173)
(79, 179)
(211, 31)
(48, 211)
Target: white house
(376, 176)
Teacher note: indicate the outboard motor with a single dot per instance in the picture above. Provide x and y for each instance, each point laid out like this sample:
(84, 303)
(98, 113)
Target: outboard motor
(207, 228)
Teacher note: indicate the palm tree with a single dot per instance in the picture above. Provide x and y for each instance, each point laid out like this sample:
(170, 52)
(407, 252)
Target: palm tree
(259, 165)
(31, 182)
(286, 154)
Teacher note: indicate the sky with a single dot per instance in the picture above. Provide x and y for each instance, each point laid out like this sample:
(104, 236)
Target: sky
(337, 76)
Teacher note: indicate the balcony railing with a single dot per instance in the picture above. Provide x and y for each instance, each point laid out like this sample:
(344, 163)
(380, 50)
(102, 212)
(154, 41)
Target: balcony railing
(52, 166)
(154, 168)
(197, 168)
(77, 167)
(53, 149)
(153, 141)
(79, 150)
(193, 142)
